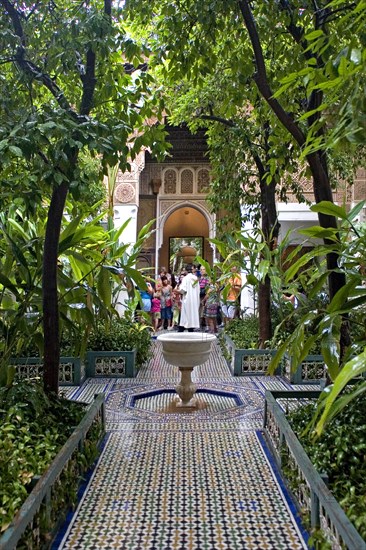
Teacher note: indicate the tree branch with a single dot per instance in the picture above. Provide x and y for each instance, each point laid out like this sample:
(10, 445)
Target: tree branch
(29, 68)
(261, 78)
(213, 118)
(89, 81)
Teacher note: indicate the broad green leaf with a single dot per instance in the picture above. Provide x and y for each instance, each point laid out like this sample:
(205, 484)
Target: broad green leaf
(252, 280)
(330, 209)
(340, 403)
(105, 287)
(276, 360)
(318, 232)
(263, 268)
(19, 228)
(16, 150)
(341, 297)
(293, 270)
(8, 284)
(314, 34)
(356, 210)
(330, 352)
(355, 367)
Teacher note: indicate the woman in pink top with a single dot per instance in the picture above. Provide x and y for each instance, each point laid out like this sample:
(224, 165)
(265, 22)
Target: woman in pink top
(155, 310)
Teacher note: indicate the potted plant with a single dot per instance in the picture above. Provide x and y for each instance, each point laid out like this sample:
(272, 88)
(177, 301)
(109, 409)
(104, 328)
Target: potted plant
(26, 361)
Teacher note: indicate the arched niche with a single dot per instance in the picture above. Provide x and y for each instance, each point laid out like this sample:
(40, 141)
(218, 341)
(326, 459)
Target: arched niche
(184, 220)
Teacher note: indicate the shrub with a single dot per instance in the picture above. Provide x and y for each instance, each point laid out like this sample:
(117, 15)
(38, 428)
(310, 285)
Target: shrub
(121, 335)
(340, 452)
(33, 427)
(244, 332)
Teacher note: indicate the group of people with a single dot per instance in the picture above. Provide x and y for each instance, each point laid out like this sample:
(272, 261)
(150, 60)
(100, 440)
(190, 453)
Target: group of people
(191, 300)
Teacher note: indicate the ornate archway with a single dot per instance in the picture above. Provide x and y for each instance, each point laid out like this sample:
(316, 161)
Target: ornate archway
(183, 218)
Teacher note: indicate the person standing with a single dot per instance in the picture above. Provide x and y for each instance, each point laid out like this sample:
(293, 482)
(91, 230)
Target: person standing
(155, 310)
(146, 296)
(203, 282)
(190, 291)
(176, 305)
(230, 307)
(211, 305)
(166, 303)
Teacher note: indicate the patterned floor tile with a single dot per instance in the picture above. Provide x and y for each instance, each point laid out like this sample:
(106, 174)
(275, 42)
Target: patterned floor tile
(185, 491)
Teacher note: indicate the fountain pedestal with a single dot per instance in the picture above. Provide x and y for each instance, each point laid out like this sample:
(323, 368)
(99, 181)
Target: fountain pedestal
(186, 351)
(186, 388)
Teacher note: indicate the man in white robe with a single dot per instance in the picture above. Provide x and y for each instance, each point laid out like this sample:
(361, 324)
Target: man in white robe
(190, 291)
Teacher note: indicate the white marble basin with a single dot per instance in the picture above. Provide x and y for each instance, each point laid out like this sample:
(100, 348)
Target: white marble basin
(186, 349)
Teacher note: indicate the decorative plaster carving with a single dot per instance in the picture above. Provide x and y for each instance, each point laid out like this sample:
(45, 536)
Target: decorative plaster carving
(145, 214)
(186, 181)
(125, 192)
(165, 205)
(125, 177)
(170, 182)
(203, 180)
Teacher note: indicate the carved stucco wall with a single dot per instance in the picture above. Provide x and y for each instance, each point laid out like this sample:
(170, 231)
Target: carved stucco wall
(344, 193)
(127, 188)
(179, 184)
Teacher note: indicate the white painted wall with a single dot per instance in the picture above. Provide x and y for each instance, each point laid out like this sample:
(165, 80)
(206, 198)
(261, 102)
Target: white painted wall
(121, 214)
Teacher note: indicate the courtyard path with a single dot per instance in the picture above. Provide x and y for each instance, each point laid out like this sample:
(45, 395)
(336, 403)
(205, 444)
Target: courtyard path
(167, 481)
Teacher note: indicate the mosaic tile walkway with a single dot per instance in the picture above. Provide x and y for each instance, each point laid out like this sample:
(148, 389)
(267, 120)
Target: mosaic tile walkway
(203, 480)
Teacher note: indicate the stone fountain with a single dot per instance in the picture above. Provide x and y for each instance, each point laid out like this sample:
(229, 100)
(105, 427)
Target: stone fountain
(186, 350)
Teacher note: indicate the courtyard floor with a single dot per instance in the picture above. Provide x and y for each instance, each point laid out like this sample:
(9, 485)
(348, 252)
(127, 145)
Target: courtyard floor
(166, 481)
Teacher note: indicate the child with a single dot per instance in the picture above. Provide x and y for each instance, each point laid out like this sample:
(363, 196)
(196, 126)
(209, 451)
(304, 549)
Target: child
(211, 302)
(155, 310)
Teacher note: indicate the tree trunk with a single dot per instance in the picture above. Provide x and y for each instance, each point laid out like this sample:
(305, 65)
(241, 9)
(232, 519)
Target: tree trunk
(49, 285)
(270, 230)
(316, 161)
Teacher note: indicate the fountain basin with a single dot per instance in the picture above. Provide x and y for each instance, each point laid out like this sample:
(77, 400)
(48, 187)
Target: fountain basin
(186, 351)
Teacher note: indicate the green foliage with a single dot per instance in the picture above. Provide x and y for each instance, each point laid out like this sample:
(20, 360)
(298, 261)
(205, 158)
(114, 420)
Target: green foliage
(33, 427)
(244, 332)
(347, 306)
(340, 453)
(75, 92)
(94, 266)
(121, 334)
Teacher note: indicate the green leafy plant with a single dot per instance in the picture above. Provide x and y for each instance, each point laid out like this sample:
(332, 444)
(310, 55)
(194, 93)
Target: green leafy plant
(346, 308)
(244, 332)
(121, 334)
(33, 427)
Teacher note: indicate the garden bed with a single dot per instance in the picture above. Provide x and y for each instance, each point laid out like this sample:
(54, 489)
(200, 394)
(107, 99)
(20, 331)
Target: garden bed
(247, 362)
(315, 500)
(37, 520)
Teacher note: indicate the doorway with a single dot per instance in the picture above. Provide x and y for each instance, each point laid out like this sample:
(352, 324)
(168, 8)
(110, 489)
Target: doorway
(188, 224)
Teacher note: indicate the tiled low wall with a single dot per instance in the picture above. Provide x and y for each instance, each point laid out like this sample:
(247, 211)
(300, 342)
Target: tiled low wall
(248, 362)
(71, 369)
(116, 364)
